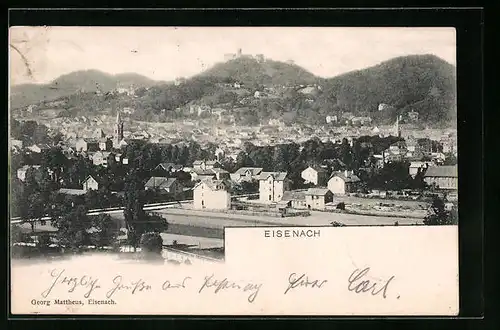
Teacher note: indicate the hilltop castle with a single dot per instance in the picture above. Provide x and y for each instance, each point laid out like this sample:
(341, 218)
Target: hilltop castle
(239, 54)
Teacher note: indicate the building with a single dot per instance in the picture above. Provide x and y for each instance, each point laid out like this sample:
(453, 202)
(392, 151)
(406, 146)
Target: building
(246, 174)
(199, 174)
(105, 144)
(220, 174)
(361, 121)
(87, 145)
(211, 194)
(98, 134)
(100, 158)
(315, 175)
(90, 184)
(21, 172)
(343, 182)
(164, 185)
(16, 144)
(219, 154)
(442, 177)
(205, 164)
(317, 198)
(118, 132)
(272, 185)
(168, 168)
(38, 148)
(295, 199)
(73, 192)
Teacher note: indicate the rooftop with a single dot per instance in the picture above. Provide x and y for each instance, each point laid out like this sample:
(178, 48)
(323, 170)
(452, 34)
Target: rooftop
(317, 191)
(442, 171)
(278, 176)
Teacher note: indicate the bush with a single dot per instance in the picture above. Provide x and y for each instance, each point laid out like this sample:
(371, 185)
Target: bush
(151, 243)
(341, 206)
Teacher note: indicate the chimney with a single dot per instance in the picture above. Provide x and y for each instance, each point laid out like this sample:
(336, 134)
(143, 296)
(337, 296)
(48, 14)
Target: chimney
(346, 173)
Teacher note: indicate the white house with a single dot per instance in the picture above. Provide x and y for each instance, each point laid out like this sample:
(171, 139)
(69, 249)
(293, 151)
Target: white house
(317, 198)
(272, 185)
(343, 182)
(90, 184)
(211, 194)
(315, 175)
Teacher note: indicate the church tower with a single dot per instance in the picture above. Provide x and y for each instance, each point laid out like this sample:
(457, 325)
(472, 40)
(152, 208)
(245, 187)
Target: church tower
(397, 129)
(118, 129)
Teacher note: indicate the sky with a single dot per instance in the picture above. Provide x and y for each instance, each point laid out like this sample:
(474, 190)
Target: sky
(41, 54)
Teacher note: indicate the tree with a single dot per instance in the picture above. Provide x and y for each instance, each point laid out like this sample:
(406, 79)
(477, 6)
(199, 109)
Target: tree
(450, 160)
(16, 234)
(418, 180)
(151, 245)
(393, 176)
(137, 220)
(104, 230)
(438, 215)
(73, 227)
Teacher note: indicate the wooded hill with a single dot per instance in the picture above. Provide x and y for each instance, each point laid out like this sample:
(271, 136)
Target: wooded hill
(422, 83)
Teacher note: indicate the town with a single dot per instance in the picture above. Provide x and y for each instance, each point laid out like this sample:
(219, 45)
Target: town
(106, 189)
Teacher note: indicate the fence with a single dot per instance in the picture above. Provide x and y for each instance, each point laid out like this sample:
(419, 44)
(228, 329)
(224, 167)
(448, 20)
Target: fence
(181, 256)
(264, 212)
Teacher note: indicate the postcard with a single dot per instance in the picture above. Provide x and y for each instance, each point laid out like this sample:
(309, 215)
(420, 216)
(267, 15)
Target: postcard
(257, 171)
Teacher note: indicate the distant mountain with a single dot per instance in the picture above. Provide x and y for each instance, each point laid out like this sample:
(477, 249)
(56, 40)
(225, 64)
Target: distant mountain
(78, 81)
(422, 83)
(251, 71)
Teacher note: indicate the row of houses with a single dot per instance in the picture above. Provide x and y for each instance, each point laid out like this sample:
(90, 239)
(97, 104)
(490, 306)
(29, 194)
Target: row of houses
(274, 188)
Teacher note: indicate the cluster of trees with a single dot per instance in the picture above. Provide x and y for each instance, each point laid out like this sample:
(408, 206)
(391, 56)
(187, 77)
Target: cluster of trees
(37, 198)
(439, 215)
(30, 132)
(294, 158)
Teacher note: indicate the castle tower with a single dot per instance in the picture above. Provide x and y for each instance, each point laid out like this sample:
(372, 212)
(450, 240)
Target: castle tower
(118, 135)
(239, 52)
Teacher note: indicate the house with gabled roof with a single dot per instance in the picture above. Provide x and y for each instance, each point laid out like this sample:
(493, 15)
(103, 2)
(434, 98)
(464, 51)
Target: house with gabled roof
(343, 182)
(164, 185)
(317, 198)
(205, 164)
(212, 194)
(168, 168)
(90, 183)
(442, 177)
(272, 185)
(246, 174)
(315, 174)
(88, 145)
